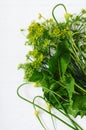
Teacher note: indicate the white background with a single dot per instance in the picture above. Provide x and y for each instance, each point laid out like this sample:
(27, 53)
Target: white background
(16, 114)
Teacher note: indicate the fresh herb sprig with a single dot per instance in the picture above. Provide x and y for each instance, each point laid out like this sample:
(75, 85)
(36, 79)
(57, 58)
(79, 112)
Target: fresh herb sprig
(57, 63)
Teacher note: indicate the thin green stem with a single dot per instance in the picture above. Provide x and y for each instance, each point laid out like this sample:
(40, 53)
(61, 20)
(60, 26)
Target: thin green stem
(66, 115)
(64, 111)
(54, 10)
(76, 58)
(55, 93)
(41, 123)
(72, 120)
(41, 107)
(59, 68)
(35, 110)
(74, 123)
(80, 88)
(53, 122)
(62, 106)
(49, 110)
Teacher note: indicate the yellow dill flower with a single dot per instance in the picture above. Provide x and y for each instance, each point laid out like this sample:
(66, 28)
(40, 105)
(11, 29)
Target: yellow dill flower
(44, 23)
(35, 29)
(46, 43)
(50, 21)
(41, 57)
(36, 84)
(48, 106)
(69, 33)
(36, 113)
(37, 61)
(83, 11)
(35, 64)
(54, 44)
(35, 53)
(39, 16)
(39, 32)
(67, 15)
(31, 27)
(55, 31)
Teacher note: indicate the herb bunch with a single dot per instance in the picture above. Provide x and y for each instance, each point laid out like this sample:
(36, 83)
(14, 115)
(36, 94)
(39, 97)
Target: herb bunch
(57, 62)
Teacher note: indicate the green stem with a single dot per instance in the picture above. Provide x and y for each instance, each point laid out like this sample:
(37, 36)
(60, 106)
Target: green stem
(63, 109)
(59, 68)
(50, 110)
(54, 10)
(41, 107)
(35, 109)
(53, 121)
(75, 52)
(80, 88)
(55, 93)
(76, 59)
(72, 120)
(74, 123)
(65, 114)
(41, 123)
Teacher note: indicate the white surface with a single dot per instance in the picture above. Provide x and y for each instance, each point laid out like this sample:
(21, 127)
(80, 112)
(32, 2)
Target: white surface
(16, 114)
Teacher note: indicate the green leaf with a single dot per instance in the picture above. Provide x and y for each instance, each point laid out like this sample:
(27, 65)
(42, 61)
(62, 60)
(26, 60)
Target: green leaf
(69, 85)
(64, 61)
(79, 105)
(58, 63)
(62, 47)
(53, 64)
(54, 86)
(36, 76)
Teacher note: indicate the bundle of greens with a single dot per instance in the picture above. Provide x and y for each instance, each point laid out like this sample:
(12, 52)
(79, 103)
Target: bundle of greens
(57, 63)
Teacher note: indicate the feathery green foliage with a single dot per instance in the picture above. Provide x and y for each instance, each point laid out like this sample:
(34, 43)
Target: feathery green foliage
(57, 61)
